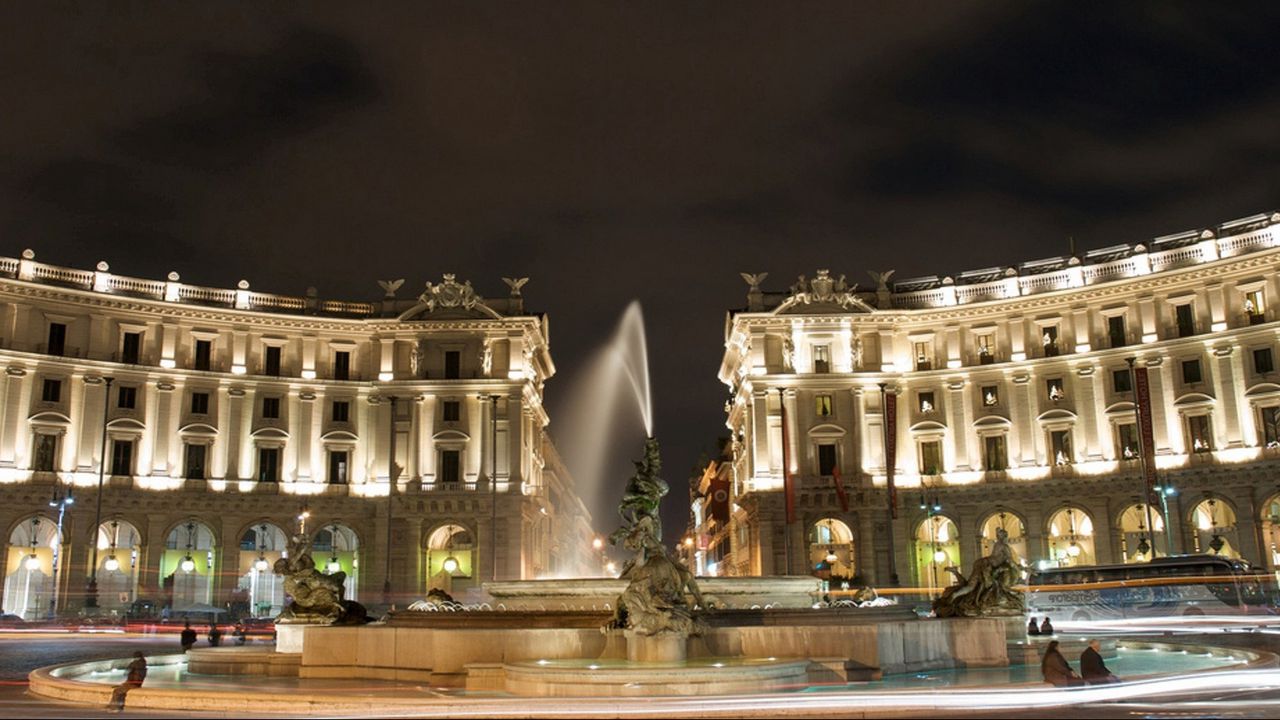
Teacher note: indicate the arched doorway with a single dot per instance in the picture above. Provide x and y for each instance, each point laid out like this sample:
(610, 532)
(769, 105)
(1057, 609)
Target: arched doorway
(118, 546)
(187, 566)
(261, 545)
(1271, 531)
(937, 547)
(449, 558)
(30, 577)
(1136, 543)
(1011, 524)
(1214, 523)
(336, 549)
(1071, 538)
(831, 551)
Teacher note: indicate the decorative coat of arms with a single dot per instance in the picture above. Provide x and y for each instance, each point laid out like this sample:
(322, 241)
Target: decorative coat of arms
(826, 290)
(450, 294)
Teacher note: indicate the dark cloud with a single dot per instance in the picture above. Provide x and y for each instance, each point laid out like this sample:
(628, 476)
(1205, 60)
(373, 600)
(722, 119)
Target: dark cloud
(614, 152)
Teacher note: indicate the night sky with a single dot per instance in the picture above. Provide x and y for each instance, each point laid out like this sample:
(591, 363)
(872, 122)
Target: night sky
(618, 151)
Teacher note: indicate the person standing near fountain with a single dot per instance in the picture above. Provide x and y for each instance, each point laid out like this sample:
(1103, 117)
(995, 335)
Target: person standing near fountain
(137, 674)
(188, 637)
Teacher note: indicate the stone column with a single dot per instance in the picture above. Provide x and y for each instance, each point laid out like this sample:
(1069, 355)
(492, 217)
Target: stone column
(17, 435)
(1023, 430)
(957, 409)
(1086, 375)
(1227, 411)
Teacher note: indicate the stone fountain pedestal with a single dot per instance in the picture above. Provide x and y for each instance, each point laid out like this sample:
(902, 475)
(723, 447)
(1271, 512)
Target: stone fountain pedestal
(666, 648)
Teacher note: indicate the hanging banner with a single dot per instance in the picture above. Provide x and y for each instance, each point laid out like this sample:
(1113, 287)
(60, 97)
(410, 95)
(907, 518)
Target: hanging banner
(1142, 388)
(891, 448)
(840, 492)
(718, 506)
(788, 490)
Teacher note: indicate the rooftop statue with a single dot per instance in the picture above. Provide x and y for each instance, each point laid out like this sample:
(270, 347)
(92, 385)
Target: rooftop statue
(655, 599)
(316, 597)
(988, 591)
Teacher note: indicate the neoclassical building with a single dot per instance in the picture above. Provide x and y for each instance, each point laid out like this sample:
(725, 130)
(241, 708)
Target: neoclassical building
(406, 436)
(1015, 409)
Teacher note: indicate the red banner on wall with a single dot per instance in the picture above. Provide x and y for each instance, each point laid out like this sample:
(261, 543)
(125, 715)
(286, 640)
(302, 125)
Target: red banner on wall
(891, 449)
(1146, 429)
(788, 491)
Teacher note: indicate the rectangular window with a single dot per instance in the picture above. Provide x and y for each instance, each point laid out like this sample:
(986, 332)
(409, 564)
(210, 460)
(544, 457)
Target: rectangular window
(1269, 426)
(127, 397)
(271, 408)
(1049, 340)
(986, 348)
(51, 391)
(1060, 446)
(450, 466)
(1053, 387)
(1122, 381)
(1191, 372)
(1200, 433)
(995, 454)
(268, 464)
(990, 395)
(57, 338)
(826, 459)
(195, 461)
(1255, 307)
(1263, 362)
(130, 348)
(204, 354)
(924, 356)
(199, 403)
(341, 411)
(271, 360)
(122, 457)
(1185, 320)
(342, 365)
(930, 457)
(822, 358)
(1115, 331)
(926, 402)
(823, 405)
(1127, 441)
(45, 453)
(338, 467)
(451, 411)
(452, 364)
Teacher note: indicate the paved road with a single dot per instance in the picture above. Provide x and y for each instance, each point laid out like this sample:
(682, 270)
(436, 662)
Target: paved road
(21, 653)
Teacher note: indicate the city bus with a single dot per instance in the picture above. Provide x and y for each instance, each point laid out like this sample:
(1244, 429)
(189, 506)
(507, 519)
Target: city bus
(1182, 585)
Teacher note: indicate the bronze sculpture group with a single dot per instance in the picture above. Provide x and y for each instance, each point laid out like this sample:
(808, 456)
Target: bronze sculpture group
(989, 588)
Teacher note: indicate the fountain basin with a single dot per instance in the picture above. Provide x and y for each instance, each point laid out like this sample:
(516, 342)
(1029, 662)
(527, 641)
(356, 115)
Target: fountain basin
(615, 678)
(786, 591)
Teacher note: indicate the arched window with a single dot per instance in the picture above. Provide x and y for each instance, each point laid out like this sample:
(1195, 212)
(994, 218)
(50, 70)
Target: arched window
(1138, 543)
(450, 558)
(831, 551)
(261, 545)
(1215, 528)
(187, 566)
(1013, 525)
(31, 568)
(1071, 538)
(119, 543)
(336, 549)
(936, 547)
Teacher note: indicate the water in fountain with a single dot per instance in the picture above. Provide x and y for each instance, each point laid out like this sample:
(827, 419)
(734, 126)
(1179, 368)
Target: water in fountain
(614, 387)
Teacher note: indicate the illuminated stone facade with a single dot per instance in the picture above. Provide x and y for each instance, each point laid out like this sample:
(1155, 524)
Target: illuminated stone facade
(229, 411)
(1014, 408)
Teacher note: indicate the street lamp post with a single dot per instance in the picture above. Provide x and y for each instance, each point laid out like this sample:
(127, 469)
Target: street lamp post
(1142, 453)
(493, 485)
(91, 592)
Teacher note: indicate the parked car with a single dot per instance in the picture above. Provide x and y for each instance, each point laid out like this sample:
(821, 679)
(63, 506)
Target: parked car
(9, 620)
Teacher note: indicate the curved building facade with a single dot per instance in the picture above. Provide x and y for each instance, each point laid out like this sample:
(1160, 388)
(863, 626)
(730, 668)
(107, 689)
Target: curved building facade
(223, 420)
(1011, 404)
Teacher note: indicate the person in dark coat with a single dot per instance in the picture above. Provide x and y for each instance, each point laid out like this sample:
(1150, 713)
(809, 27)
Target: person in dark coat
(239, 633)
(215, 635)
(1095, 671)
(1057, 671)
(1046, 627)
(188, 637)
(1033, 628)
(137, 673)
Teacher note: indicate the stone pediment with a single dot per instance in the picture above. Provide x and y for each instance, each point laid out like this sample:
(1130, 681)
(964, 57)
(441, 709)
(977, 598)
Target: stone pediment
(449, 300)
(822, 293)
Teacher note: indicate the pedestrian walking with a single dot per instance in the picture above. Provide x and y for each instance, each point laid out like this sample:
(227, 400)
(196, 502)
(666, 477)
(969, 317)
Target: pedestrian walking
(1092, 667)
(188, 637)
(137, 673)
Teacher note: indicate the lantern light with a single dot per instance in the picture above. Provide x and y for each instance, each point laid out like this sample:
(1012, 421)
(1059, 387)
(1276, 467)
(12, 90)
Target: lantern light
(939, 556)
(33, 562)
(260, 564)
(450, 565)
(112, 564)
(188, 565)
